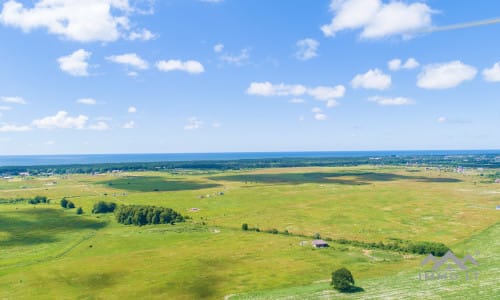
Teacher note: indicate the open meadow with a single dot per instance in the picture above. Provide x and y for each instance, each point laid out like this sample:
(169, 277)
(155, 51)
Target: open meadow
(48, 252)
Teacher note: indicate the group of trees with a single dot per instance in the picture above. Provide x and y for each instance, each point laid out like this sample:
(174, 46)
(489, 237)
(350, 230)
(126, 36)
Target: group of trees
(67, 204)
(146, 215)
(102, 207)
(38, 200)
(416, 247)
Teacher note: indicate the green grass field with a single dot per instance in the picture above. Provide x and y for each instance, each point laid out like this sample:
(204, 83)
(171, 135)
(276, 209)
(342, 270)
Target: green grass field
(51, 253)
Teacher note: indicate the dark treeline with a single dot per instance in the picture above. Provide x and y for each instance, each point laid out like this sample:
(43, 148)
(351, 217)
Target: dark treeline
(102, 207)
(415, 247)
(147, 215)
(467, 161)
(36, 200)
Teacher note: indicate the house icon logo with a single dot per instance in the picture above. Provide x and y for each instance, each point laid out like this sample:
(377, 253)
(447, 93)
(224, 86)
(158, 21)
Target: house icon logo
(449, 267)
(449, 256)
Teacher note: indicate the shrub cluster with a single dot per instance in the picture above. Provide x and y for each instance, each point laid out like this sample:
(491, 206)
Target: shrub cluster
(38, 200)
(67, 204)
(102, 207)
(146, 215)
(418, 247)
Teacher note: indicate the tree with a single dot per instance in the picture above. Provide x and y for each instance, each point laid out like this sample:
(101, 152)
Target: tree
(64, 203)
(79, 211)
(244, 226)
(342, 280)
(71, 205)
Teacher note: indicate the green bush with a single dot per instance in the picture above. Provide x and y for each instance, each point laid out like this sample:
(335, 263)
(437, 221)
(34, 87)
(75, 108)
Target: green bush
(71, 205)
(102, 207)
(244, 226)
(79, 211)
(342, 280)
(64, 203)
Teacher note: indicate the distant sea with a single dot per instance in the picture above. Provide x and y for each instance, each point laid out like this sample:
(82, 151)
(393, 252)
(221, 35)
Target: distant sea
(37, 160)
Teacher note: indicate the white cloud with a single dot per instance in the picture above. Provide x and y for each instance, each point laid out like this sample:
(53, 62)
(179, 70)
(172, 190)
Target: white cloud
(13, 100)
(143, 35)
(61, 120)
(323, 93)
(396, 64)
(445, 75)
(83, 21)
(216, 125)
(269, 89)
(377, 19)
(211, 1)
(326, 93)
(132, 109)
(332, 103)
(396, 101)
(132, 74)
(130, 59)
(87, 101)
(218, 48)
(239, 59)
(320, 117)
(316, 110)
(297, 100)
(13, 128)
(5, 108)
(411, 63)
(193, 124)
(373, 79)
(441, 120)
(49, 143)
(307, 49)
(190, 66)
(99, 126)
(492, 74)
(129, 125)
(76, 63)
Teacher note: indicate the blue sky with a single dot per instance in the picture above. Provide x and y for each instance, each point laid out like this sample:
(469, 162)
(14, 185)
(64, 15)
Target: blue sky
(123, 76)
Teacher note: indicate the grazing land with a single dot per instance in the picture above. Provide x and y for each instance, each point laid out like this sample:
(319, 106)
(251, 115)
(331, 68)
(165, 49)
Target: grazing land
(48, 252)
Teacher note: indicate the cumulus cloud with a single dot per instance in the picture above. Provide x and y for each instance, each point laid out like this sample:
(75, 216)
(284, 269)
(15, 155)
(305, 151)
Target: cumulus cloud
(396, 101)
(269, 89)
(323, 93)
(142, 35)
(236, 59)
(218, 48)
(61, 120)
(396, 64)
(190, 66)
(445, 75)
(87, 101)
(13, 128)
(492, 74)
(129, 59)
(193, 124)
(13, 100)
(307, 49)
(5, 108)
(373, 79)
(129, 125)
(83, 21)
(377, 19)
(76, 63)
(99, 126)
(132, 109)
